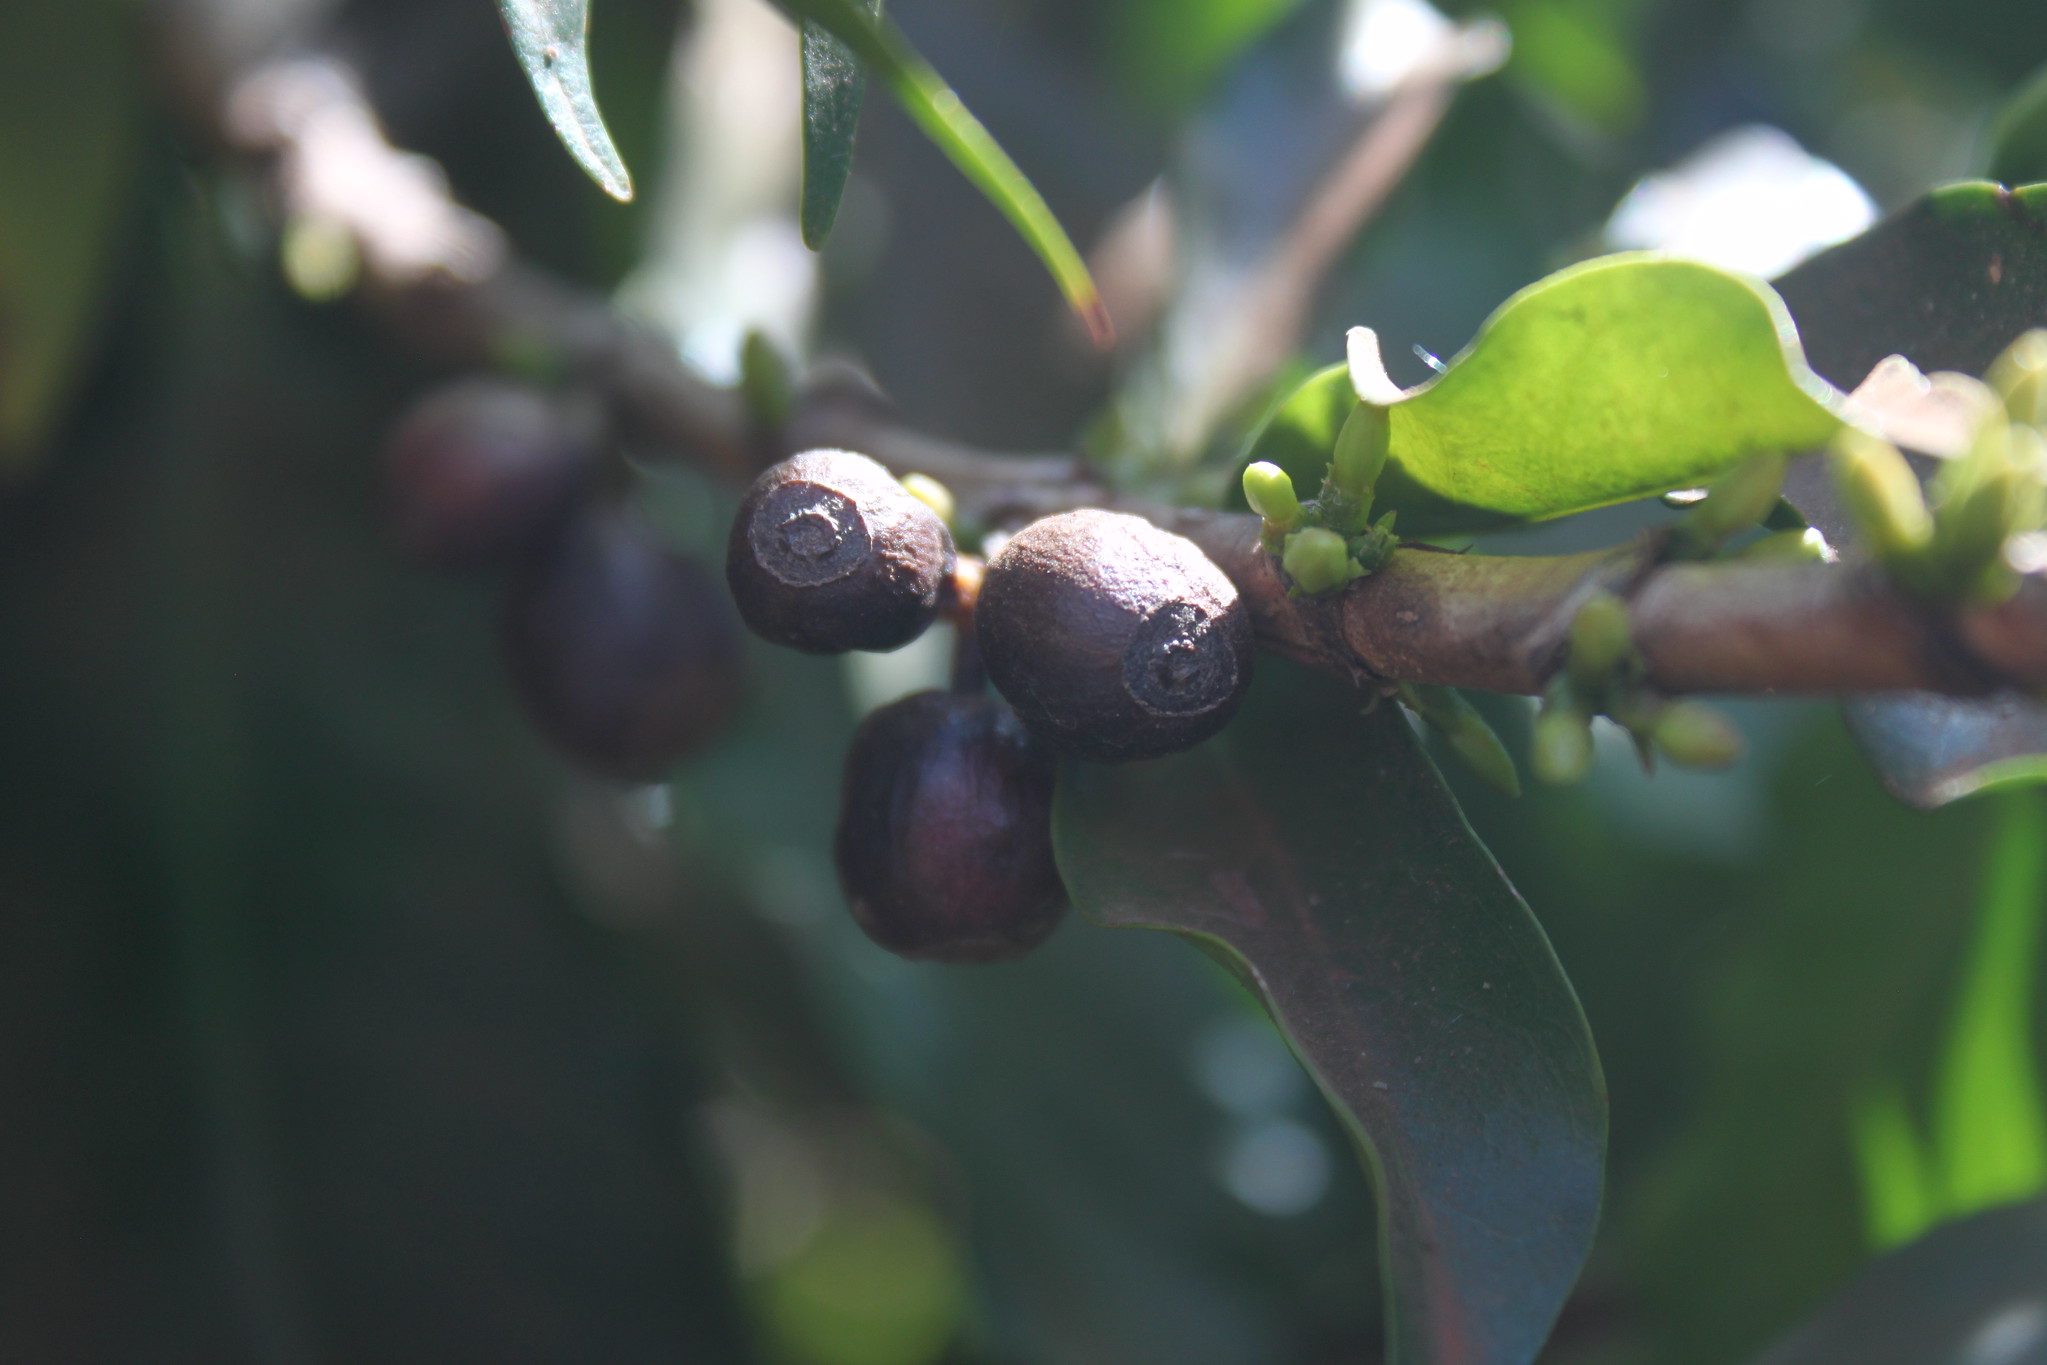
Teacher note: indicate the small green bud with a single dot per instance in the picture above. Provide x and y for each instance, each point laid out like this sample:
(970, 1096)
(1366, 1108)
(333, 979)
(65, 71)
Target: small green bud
(1317, 560)
(1560, 752)
(1696, 736)
(1600, 640)
(1881, 493)
(1270, 492)
(765, 383)
(1741, 498)
(1450, 713)
(932, 494)
(1791, 547)
(1361, 450)
(2020, 376)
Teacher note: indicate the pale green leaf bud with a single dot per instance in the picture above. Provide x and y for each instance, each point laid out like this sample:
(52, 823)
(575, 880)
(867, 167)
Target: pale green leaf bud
(1317, 560)
(1560, 750)
(1881, 493)
(1600, 640)
(1696, 736)
(1271, 494)
(1362, 447)
(2020, 375)
(1452, 715)
(932, 494)
(765, 382)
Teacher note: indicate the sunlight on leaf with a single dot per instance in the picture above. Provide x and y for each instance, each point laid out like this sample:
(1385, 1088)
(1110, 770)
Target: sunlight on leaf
(938, 112)
(1317, 852)
(551, 39)
(1616, 379)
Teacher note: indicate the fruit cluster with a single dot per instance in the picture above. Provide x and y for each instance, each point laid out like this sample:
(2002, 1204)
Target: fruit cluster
(624, 653)
(1106, 638)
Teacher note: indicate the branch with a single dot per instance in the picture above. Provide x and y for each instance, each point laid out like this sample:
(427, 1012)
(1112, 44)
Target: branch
(443, 280)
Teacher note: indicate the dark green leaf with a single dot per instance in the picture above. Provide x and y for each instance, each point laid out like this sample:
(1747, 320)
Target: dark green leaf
(1612, 380)
(69, 117)
(834, 86)
(1171, 49)
(2018, 136)
(1947, 282)
(1968, 1293)
(550, 38)
(935, 109)
(1318, 852)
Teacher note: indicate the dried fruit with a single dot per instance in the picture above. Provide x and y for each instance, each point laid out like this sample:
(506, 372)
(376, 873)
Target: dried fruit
(830, 553)
(1114, 639)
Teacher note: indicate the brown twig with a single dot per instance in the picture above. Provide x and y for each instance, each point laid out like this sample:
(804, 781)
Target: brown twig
(444, 281)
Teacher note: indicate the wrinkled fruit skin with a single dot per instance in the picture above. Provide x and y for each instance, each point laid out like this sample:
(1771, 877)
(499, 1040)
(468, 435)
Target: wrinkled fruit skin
(484, 471)
(1113, 639)
(945, 830)
(828, 553)
(625, 654)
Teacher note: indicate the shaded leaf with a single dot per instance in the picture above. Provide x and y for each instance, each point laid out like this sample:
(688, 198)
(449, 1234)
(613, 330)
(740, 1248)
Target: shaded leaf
(551, 38)
(1171, 49)
(834, 86)
(1318, 852)
(2018, 135)
(939, 113)
(1620, 378)
(1970, 1293)
(1947, 282)
(69, 116)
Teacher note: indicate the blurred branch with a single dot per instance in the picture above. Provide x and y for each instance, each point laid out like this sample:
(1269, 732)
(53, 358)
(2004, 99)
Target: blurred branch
(445, 282)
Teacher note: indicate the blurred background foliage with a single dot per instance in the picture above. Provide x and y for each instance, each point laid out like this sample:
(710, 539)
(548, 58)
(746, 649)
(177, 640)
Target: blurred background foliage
(338, 1021)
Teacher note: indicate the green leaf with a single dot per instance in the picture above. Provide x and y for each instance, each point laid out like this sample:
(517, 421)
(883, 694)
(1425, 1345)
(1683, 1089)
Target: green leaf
(1317, 852)
(1947, 282)
(1169, 50)
(550, 38)
(69, 120)
(935, 109)
(1616, 379)
(1969, 1292)
(2018, 135)
(834, 86)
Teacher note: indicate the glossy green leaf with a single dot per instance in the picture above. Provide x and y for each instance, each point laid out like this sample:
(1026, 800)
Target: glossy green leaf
(938, 112)
(834, 87)
(1947, 282)
(1969, 1293)
(1616, 379)
(1317, 852)
(1612, 380)
(69, 123)
(551, 40)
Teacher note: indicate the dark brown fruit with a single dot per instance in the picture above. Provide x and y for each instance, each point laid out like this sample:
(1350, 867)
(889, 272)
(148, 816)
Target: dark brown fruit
(484, 471)
(1112, 638)
(945, 830)
(625, 654)
(828, 554)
